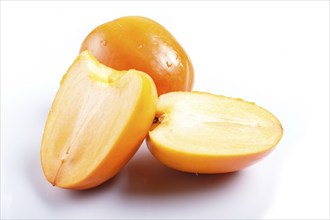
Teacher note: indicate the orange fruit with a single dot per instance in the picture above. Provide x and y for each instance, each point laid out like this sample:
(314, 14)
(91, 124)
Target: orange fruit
(140, 43)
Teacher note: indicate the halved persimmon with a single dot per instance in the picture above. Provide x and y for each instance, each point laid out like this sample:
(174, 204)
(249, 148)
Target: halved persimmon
(205, 133)
(96, 123)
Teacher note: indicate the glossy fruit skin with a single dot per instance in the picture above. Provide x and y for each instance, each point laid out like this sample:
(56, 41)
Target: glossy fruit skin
(135, 42)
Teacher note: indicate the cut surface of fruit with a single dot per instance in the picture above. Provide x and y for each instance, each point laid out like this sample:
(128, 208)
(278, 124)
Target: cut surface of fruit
(205, 133)
(96, 123)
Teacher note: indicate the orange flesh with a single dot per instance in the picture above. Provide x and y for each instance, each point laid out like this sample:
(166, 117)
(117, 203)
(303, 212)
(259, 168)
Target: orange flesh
(96, 123)
(205, 133)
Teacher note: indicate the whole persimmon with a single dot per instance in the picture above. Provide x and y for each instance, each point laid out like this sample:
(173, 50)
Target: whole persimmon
(135, 42)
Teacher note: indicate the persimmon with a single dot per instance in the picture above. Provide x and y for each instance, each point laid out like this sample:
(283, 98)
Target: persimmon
(205, 133)
(135, 42)
(97, 122)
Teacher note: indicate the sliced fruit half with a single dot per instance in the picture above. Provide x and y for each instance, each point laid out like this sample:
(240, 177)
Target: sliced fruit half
(205, 133)
(96, 123)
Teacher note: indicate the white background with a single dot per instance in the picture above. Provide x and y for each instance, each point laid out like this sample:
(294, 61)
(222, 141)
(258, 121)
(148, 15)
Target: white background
(274, 53)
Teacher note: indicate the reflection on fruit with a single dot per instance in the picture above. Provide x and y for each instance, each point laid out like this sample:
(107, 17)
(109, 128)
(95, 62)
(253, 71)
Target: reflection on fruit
(96, 123)
(204, 133)
(140, 43)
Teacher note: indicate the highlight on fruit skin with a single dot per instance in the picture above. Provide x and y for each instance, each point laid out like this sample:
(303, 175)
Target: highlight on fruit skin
(97, 121)
(204, 133)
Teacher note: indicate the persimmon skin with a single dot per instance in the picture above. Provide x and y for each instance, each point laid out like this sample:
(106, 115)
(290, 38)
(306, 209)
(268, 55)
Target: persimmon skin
(135, 42)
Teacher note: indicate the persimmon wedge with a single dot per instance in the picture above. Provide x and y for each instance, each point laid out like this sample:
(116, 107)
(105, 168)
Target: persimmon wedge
(205, 133)
(96, 123)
